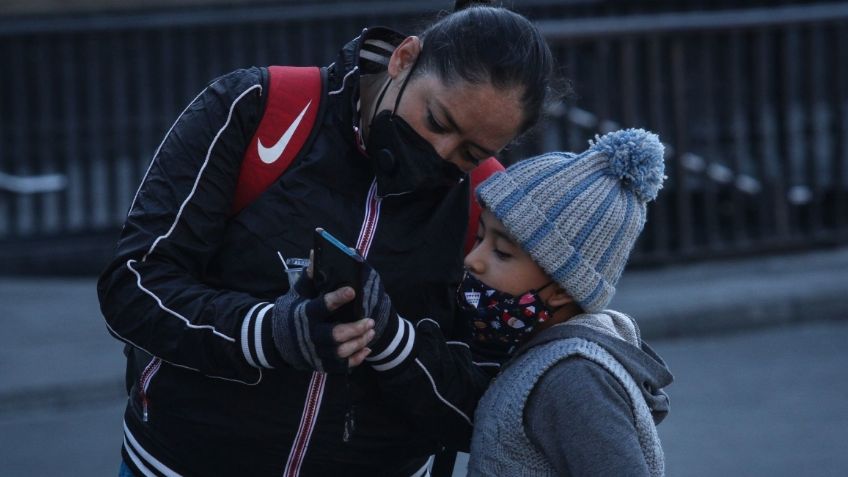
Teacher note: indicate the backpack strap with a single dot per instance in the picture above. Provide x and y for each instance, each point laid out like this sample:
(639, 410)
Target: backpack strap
(478, 175)
(292, 107)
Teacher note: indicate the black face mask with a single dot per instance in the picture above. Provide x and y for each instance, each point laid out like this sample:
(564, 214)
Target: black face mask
(402, 160)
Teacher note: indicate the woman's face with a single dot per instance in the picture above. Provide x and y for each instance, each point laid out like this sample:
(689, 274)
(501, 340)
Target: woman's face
(465, 123)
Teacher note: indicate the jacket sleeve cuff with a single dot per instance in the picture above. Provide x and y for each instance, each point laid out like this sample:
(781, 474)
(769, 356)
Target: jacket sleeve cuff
(257, 340)
(395, 347)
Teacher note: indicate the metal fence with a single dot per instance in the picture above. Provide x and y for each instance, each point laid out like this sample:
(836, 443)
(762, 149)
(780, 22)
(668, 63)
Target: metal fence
(753, 104)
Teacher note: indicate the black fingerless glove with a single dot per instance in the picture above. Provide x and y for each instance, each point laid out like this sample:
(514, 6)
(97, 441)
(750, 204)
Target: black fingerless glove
(376, 304)
(301, 335)
(393, 336)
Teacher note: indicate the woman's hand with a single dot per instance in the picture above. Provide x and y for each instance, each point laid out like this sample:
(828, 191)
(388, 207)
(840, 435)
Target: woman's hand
(304, 337)
(351, 338)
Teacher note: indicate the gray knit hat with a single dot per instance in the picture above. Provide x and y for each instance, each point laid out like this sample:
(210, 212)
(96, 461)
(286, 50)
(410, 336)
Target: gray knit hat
(578, 215)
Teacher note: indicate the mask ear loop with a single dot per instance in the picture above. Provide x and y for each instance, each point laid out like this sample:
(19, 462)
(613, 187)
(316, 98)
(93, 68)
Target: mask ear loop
(400, 93)
(380, 101)
(536, 292)
(546, 285)
(403, 86)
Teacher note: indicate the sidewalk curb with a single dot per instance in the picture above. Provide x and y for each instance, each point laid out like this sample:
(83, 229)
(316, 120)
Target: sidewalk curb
(728, 296)
(62, 397)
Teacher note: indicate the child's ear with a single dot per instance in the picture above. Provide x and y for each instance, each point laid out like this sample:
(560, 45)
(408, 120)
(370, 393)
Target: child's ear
(559, 298)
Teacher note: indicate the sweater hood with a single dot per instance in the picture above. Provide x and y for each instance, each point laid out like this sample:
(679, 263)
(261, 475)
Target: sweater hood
(619, 335)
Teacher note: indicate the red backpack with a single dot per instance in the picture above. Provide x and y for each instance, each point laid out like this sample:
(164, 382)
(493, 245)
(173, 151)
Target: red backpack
(294, 102)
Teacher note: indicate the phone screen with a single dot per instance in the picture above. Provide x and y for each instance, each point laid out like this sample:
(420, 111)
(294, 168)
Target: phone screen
(336, 266)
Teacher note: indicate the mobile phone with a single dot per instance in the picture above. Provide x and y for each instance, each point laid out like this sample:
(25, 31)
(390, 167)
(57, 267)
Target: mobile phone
(337, 265)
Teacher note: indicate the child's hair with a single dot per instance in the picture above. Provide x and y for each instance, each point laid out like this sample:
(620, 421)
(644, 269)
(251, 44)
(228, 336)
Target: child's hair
(482, 44)
(579, 215)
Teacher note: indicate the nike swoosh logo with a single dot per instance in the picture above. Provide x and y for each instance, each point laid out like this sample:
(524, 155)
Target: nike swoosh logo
(270, 154)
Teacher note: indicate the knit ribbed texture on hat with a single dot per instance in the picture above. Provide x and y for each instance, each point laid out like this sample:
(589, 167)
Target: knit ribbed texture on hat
(579, 215)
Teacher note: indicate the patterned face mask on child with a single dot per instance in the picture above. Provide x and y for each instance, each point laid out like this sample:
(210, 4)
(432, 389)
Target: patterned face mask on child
(500, 322)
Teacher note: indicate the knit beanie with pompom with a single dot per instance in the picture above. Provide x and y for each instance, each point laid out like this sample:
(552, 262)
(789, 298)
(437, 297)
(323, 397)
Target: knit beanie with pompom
(579, 215)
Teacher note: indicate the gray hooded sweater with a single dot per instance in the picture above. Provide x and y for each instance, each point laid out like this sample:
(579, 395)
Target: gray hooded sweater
(581, 398)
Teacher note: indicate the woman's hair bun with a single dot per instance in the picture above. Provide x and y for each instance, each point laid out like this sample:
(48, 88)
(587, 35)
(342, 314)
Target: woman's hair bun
(463, 4)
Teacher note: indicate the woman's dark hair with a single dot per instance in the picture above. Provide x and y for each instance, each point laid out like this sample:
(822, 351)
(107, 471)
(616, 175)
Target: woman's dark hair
(482, 44)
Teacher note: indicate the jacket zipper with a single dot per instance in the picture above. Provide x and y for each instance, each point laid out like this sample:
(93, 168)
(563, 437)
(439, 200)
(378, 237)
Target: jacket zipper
(316, 385)
(369, 225)
(144, 382)
(363, 246)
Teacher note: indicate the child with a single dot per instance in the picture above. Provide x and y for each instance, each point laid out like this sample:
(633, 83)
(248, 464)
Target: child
(581, 393)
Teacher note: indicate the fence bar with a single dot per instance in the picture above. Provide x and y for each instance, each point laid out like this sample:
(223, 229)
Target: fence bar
(816, 125)
(791, 139)
(739, 103)
(656, 23)
(628, 81)
(145, 122)
(683, 217)
(573, 140)
(71, 159)
(708, 116)
(45, 204)
(168, 84)
(236, 43)
(840, 130)
(600, 82)
(657, 90)
(6, 157)
(192, 46)
(210, 17)
(23, 213)
(97, 188)
(774, 218)
(120, 152)
(209, 56)
(554, 30)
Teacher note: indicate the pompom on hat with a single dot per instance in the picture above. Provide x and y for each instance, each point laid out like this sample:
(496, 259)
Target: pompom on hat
(579, 215)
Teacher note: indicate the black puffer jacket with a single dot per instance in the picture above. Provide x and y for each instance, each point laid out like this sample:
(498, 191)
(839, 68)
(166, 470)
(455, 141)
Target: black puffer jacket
(193, 287)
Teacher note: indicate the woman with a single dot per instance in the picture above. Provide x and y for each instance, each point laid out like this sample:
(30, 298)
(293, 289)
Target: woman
(230, 385)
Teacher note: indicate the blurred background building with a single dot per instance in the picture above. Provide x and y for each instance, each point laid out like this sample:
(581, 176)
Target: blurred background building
(750, 97)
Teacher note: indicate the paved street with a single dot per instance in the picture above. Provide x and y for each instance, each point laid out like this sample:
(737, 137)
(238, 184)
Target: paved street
(770, 402)
(767, 403)
(78, 441)
(60, 386)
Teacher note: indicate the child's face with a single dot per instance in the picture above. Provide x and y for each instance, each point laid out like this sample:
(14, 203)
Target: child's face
(500, 263)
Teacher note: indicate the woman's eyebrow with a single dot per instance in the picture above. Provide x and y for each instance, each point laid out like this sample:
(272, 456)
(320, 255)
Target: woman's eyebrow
(455, 126)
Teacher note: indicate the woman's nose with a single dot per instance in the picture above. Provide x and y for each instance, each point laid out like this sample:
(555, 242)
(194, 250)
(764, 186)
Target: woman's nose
(445, 147)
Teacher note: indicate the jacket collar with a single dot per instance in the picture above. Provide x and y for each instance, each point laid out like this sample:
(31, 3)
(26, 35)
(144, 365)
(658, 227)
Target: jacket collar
(368, 53)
